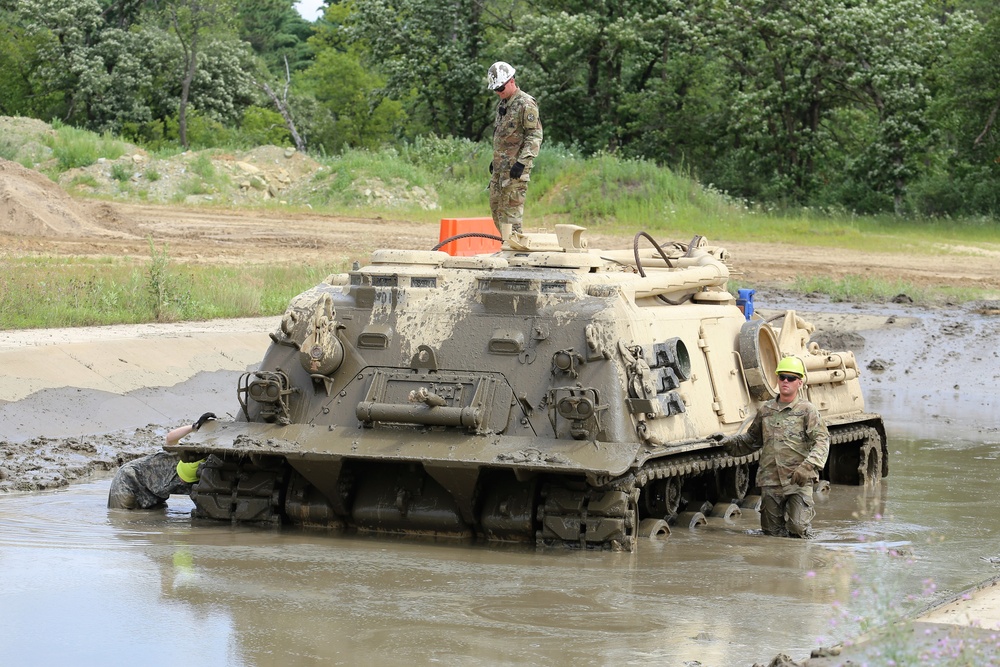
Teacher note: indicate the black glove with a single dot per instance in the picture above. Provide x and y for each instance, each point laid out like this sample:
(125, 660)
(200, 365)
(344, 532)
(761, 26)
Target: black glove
(718, 437)
(516, 170)
(204, 418)
(491, 168)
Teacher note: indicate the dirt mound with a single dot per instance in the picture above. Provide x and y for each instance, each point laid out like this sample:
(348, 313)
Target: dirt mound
(238, 178)
(32, 205)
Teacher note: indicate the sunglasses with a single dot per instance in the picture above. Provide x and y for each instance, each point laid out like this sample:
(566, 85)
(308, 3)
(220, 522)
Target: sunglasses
(499, 88)
(789, 378)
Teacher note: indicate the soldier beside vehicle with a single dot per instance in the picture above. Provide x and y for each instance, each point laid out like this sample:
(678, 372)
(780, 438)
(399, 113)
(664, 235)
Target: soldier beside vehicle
(794, 444)
(147, 482)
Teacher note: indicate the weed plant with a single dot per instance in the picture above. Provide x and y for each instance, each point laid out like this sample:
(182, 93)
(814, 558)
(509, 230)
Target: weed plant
(878, 608)
(858, 288)
(204, 179)
(121, 172)
(8, 149)
(78, 148)
(60, 292)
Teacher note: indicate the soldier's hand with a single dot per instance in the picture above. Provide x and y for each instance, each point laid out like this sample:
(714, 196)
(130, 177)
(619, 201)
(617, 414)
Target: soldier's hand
(516, 170)
(204, 418)
(718, 437)
(803, 475)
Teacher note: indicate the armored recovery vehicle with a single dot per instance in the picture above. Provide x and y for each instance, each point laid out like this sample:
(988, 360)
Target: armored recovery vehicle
(545, 393)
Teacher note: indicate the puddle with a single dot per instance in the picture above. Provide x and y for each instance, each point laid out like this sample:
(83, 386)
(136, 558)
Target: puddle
(81, 585)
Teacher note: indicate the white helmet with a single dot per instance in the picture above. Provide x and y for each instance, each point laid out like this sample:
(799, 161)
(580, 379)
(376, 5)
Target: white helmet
(500, 73)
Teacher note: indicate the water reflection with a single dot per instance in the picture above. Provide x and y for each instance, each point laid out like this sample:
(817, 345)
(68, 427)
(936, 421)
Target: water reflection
(81, 585)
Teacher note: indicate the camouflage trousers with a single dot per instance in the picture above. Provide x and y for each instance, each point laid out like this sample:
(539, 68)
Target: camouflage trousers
(787, 511)
(146, 482)
(507, 202)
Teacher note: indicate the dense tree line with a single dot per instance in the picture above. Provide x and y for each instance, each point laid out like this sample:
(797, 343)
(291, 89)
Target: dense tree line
(866, 105)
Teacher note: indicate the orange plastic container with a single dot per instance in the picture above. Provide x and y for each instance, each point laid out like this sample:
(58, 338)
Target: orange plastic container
(471, 245)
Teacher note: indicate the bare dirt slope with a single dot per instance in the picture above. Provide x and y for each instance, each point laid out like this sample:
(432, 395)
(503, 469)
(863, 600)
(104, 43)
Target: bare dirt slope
(38, 218)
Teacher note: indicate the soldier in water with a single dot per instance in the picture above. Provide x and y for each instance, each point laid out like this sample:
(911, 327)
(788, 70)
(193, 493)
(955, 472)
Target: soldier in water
(794, 445)
(517, 137)
(147, 482)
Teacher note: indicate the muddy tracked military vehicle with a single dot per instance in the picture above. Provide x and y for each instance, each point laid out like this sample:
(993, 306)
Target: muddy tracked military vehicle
(546, 393)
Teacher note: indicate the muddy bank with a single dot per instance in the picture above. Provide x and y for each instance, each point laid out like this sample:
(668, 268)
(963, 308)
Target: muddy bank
(78, 400)
(76, 403)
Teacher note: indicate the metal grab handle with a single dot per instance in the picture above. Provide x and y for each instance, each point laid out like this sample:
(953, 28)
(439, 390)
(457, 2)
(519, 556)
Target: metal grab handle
(370, 411)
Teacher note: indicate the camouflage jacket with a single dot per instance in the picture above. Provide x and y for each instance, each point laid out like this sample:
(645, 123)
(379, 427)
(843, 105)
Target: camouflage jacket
(517, 135)
(787, 434)
(146, 482)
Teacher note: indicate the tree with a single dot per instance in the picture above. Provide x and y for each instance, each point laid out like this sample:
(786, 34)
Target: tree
(431, 55)
(277, 33)
(282, 105)
(193, 22)
(97, 70)
(358, 116)
(824, 87)
(592, 61)
(964, 177)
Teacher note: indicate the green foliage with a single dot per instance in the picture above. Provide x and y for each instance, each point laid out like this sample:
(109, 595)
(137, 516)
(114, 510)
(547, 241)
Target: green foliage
(590, 65)
(432, 56)
(876, 106)
(164, 292)
(202, 131)
(121, 172)
(357, 116)
(262, 126)
(78, 148)
(9, 149)
(276, 32)
(858, 288)
(203, 179)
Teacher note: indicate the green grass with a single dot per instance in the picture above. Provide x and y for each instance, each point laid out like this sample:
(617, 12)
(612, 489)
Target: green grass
(61, 292)
(605, 193)
(121, 172)
(858, 288)
(614, 195)
(78, 148)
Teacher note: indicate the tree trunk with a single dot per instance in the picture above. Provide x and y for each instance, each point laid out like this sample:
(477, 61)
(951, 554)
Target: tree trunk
(287, 115)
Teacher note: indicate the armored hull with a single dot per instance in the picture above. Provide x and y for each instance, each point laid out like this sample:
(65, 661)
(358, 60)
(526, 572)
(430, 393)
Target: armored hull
(546, 393)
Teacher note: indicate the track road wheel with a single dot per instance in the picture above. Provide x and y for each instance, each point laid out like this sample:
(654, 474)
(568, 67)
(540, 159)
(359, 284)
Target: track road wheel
(870, 463)
(653, 529)
(734, 482)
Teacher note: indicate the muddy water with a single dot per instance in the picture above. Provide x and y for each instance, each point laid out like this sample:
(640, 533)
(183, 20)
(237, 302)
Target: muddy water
(80, 585)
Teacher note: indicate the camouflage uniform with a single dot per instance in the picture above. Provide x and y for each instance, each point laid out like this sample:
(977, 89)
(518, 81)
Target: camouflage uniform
(787, 434)
(146, 482)
(517, 137)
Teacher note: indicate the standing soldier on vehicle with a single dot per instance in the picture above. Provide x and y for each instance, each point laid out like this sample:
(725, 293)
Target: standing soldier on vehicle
(794, 444)
(517, 137)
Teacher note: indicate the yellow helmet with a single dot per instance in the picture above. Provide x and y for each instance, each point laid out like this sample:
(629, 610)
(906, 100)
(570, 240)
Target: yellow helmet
(792, 365)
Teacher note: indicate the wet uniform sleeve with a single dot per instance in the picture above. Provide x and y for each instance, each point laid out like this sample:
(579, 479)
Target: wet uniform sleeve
(817, 433)
(532, 125)
(749, 441)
